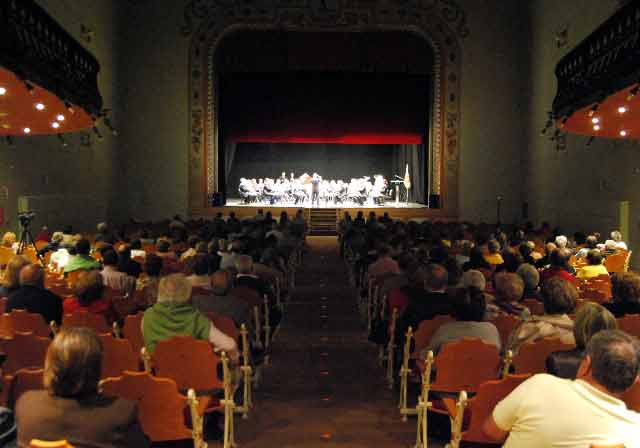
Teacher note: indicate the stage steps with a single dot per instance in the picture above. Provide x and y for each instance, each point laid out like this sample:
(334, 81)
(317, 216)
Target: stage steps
(323, 221)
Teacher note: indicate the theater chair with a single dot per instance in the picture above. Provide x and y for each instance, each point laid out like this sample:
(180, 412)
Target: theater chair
(23, 381)
(118, 356)
(506, 323)
(35, 443)
(618, 262)
(24, 322)
(532, 356)
(24, 351)
(469, 414)
(535, 306)
(84, 318)
(161, 408)
(132, 331)
(630, 323)
(632, 397)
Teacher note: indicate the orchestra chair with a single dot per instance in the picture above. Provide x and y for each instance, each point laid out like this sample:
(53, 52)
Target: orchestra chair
(630, 323)
(532, 356)
(24, 351)
(118, 356)
(24, 322)
(506, 323)
(618, 262)
(632, 397)
(479, 408)
(535, 306)
(36, 443)
(84, 318)
(23, 381)
(161, 408)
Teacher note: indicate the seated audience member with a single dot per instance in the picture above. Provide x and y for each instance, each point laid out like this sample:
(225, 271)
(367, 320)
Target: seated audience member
(469, 309)
(173, 315)
(561, 242)
(493, 256)
(399, 297)
(590, 319)
(43, 234)
(219, 301)
(82, 261)
(594, 267)
(559, 298)
(192, 241)
(197, 266)
(547, 411)
(531, 278)
(625, 287)
(509, 291)
(9, 241)
(71, 407)
(246, 277)
(11, 280)
(477, 262)
(104, 235)
(163, 250)
(136, 249)
(229, 254)
(608, 248)
(559, 267)
(53, 245)
(427, 302)
(148, 282)
(384, 264)
(114, 279)
(67, 235)
(475, 279)
(126, 264)
(88, 292)
(33, 297)
(590, 243)
(616, 236)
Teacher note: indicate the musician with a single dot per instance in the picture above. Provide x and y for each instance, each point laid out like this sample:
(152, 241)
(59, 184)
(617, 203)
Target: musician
(315, 189)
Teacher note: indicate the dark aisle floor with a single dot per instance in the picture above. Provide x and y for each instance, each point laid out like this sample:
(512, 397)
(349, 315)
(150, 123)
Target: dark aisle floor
(324, 387)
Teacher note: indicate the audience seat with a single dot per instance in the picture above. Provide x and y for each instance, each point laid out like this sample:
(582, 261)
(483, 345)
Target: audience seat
(506, 323)
(118, 356)
(618, 262)
(632, 397)
(535, 306)
(23, 381)
(132, 331)
(35, 443)
(83, 318)
(3, 305)
(24, 322)
(630, 323)
(6, 254)
(532, 356)
(24, 351)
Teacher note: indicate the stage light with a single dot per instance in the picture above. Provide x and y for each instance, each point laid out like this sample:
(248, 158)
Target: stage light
(591, 139)
(633, 92)
(69, 107)
(594, 109)
(3, 91)
(27, 130)
(98, 134)
(40, 106)
(622, 109)
(55, 125)
(60, 117)
(623, 133)
(596, 127)
(595, 120)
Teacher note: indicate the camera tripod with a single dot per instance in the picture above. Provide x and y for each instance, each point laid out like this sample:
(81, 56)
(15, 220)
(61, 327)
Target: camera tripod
(26, 240)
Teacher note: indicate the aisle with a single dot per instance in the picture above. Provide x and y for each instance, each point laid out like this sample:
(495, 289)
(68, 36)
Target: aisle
(324, 388)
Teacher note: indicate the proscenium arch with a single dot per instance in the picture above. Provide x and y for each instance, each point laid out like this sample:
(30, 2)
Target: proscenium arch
(219, 20)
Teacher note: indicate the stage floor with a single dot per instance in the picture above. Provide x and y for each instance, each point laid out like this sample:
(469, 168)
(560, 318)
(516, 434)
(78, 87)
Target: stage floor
(233, 202)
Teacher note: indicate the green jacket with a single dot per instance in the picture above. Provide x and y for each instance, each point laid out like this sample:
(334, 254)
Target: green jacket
(81, 262)
(165, 320)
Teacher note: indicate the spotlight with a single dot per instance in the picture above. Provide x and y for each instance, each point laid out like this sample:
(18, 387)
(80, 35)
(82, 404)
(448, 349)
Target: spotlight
(69, 107)
(63, 142)
(55, 125)
(27, 130)
(633, 92)
(594, 109)
(623, 133)
(60, 117)
(595, 120)
(109, 125)
(98, 134)
(40, 106)
(3, 91)
(591, 139)
(622, 109)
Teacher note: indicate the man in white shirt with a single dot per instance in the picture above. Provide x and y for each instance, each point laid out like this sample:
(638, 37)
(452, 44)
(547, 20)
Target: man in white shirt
(546, 411)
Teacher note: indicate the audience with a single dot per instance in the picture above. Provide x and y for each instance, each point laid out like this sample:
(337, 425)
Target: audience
(493, 256)
(11, 280)
(594, 267)
(197, 268)
(559, 267)
(71, 407)
(33, 297)
(112, 277)
(531, 278)
(219, 301)
(509, 292)
(89, 296)
(82, 261)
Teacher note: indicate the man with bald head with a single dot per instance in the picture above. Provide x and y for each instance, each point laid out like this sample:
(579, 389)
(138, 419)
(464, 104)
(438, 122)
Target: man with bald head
(218, 300)
(33, 297)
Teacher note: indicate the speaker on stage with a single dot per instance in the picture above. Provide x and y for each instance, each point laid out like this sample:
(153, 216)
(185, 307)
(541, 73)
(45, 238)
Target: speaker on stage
(216, 199)
(434, 201)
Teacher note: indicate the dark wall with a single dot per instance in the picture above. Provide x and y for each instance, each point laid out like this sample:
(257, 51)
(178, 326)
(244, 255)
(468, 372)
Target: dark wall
(329, 160)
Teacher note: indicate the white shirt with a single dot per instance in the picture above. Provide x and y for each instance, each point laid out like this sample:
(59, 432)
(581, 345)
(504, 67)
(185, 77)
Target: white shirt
(548, 412)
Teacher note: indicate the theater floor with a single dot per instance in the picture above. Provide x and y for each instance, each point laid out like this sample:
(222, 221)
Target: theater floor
(324, 387)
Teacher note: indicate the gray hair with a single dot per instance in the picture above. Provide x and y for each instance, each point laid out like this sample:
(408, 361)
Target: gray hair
(474, 278)
(530, 275)
(615, 359)
(102, 227)
(616, 236)
(244, 264)
(561, 241)
(57, 237)
(174, 288)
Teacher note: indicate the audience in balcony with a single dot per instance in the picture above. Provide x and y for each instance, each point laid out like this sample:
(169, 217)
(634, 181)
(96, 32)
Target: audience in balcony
(594, 268)
(625, 288)
(71, 407)
(11, 280)
(82, 261)
(590, 319)
(559, 298)
(33, 297)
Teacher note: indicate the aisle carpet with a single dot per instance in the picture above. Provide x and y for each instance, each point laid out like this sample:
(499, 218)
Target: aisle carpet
(324, 387)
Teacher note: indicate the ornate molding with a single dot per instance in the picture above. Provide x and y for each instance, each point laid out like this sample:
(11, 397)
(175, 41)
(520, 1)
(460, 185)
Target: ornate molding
(440, 22)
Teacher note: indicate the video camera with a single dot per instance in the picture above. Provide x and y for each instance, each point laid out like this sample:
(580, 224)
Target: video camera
(26, 217)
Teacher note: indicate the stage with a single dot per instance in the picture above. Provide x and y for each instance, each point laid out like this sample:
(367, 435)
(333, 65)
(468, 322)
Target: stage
(369, 205)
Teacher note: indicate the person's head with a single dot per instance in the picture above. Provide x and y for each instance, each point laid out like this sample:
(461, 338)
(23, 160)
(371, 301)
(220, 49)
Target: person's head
(244, 264)
(509, 287)
(83, 246)
(530, 276)
(192, 241)
(197, 265)
(612, 361)
(88, 287)
(57, 237)
(437, 278)
(559, 296)
(493, 246)
(9, 239)
(162, 246)
(32, 275)
(73, 364)
(110, 257)
(616, 236)
(590, 319)
(174, 289)
(591, 242)
(469, 305)
(102, 227)
(475, 279)
(560, 258)
(152, 265)
(221, 283)
(594, 257)
(12, 273)
(625, 287)
(561, 241)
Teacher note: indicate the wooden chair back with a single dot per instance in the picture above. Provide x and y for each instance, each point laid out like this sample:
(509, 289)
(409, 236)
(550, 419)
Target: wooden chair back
(23, 381)
(83, 318)
(132, 331)
(190, 362)
(36, 443)
(118, 356)
(532, 356)
(6, 254)
(224, 324)
(597, 289)
(24, 322)
(618, 262)
(247, 294)
(630, 323)
(506, 323)
(426, 330)
(535, 306)
(465, 364)
(24, 350)
(161, 408)
(632, 397)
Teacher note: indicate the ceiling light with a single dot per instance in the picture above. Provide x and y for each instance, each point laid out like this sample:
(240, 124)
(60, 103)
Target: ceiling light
(55, 125)
(596, 127)
(595, 120)
(27, 130)
(3, 91)
(39, 106)
(60, 117)
(622, 109)
(623, 133)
